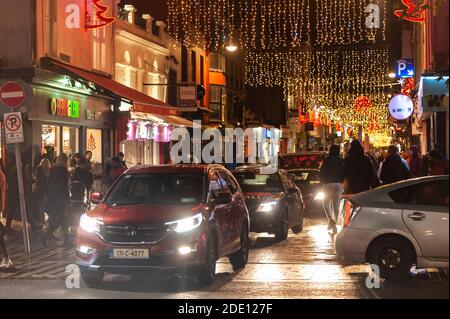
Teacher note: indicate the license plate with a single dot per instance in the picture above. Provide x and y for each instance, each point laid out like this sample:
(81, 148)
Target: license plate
(130, 254)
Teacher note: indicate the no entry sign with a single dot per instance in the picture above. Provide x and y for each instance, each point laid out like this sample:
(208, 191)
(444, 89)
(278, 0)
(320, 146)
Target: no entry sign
(13, 128)
(12, 95)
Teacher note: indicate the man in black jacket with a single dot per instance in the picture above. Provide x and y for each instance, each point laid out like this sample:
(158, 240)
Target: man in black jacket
(393, 169)
(359, 170)
(332, 176)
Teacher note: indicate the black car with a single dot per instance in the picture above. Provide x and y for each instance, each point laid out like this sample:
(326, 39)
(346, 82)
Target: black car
(273, 200)
(308, 180)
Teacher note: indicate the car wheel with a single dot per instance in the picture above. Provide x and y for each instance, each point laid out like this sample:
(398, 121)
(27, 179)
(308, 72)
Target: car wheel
(92, 278)
(239, 259)
(298, 228)
(283, 229)
(393, 256)
(206, 273)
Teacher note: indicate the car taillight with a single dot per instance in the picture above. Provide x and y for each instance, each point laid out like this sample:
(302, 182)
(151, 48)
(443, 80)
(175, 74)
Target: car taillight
(350, 211)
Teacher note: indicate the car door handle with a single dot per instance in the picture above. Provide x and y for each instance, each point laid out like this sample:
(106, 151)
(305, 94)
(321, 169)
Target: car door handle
(417, 216)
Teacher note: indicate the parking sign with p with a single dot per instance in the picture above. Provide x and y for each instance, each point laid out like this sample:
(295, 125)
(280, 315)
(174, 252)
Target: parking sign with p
(13, 128)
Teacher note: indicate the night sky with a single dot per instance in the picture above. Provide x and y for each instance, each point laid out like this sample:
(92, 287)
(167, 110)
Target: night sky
(156, 8)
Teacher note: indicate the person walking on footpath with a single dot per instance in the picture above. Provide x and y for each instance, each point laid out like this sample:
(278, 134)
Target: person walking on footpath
(393, 169)
(57, 200)
(6, 260)
(42, 176)
(415, 162)
(332, 176)
(360, 174)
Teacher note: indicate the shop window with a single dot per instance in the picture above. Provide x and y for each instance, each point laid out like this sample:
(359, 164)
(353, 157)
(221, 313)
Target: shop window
(70, 141)
(94, 144)
(51, 140)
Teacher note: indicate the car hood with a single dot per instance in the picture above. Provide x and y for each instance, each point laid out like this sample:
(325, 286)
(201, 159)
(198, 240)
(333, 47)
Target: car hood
(143, 214)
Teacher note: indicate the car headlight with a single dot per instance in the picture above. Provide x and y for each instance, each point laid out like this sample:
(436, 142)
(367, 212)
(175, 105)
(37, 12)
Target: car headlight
(267, 207)
(89, 224)
(320, 196)
(186, 224)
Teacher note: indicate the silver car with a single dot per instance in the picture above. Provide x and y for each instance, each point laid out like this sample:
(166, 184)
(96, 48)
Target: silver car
(397, 226)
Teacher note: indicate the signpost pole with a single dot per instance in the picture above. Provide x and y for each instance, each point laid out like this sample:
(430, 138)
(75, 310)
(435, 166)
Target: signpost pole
(26, 238)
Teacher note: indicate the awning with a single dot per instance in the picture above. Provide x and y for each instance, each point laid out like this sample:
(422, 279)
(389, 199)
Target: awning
(163, 119)
(141, 102)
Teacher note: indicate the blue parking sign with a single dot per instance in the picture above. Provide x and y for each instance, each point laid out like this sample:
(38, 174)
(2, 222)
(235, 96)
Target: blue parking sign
(405, 69)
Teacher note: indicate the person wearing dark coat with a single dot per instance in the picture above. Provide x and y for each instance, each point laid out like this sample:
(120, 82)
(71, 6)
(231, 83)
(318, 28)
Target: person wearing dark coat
(58, 199)
(359, 171)
(83, 175)
(42, 176)
(393, 169)
(332, 176)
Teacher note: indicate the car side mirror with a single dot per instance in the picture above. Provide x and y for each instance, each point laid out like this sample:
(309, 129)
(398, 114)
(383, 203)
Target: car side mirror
(223, 199)
(292, 191)
(96, 198)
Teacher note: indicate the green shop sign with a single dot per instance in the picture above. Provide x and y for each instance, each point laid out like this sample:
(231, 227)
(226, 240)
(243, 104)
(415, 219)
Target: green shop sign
(64, 107)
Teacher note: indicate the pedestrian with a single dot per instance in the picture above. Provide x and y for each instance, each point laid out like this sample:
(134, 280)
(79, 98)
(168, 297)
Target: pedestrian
(13, 201)
(57, 200)
(83, 175)
(360, 174)
(88, 158)
(121, 157)
(42, 176)
(6, 260)
(3, 187)
(393, 169)
(415, 162)
(438, 163)
(117, 170)
(332, 176)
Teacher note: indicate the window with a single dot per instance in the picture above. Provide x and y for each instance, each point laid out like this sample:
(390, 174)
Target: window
(157, 189)
(184, 64)
(259, 183)
(217, 62)
(51, 141)
(70, 141)
(94, 144)
(193, 67)
(430, 193)
(214, 185)
(228, 183)
(215, 104)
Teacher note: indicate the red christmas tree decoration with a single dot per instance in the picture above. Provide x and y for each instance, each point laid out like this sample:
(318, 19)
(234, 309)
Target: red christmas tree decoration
(95, 17)
(414, 12)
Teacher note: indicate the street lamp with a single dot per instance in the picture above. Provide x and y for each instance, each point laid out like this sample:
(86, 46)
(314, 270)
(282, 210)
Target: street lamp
(392, 75)
(231, 47)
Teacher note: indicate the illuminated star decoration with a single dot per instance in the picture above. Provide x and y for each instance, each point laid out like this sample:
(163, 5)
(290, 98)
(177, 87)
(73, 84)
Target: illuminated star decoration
(95, 15)
(414, 12)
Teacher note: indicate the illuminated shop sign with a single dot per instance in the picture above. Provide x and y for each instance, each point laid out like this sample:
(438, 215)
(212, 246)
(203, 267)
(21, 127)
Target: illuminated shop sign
(94, 15)
(139, 130)
(65, 108)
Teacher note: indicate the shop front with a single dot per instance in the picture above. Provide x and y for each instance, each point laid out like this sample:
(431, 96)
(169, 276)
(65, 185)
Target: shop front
(69, 120)
(145, 138)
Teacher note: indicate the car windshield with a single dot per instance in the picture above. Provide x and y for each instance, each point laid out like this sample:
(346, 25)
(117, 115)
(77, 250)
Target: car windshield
(305, 177)
(251, 183)
(170, 189)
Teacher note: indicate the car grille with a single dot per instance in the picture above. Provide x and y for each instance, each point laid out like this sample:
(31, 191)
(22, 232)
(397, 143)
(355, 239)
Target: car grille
(127, 234)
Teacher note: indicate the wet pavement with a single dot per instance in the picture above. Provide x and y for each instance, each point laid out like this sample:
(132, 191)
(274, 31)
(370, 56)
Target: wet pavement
(303, 266)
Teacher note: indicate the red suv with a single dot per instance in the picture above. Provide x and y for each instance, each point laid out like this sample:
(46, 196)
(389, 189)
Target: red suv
(177, 218)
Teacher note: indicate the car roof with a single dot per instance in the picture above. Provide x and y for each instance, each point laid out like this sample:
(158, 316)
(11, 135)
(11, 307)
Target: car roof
(381, 194)
(174, 168)
(254, 168)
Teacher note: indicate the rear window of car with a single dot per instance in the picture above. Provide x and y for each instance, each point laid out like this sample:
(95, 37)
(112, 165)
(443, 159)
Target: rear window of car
(429, 193)
(169, 189)
(251, 183)
(305, 177)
